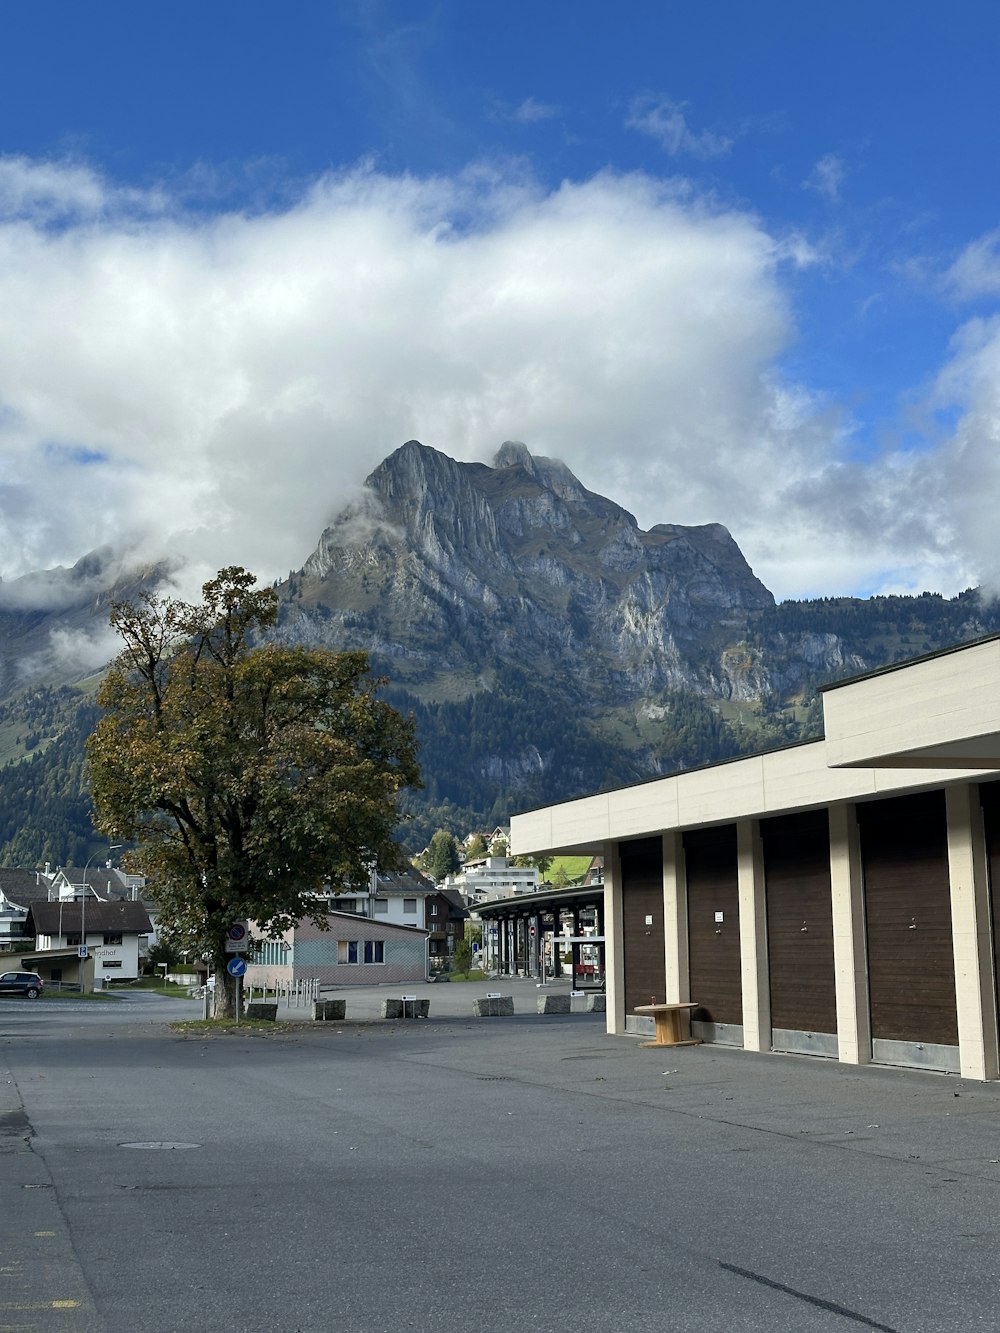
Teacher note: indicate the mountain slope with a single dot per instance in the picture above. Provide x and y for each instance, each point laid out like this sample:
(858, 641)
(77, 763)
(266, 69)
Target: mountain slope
(447, 570)
(546, 645)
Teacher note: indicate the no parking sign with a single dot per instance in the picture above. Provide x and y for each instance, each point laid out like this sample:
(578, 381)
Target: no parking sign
(237, 937)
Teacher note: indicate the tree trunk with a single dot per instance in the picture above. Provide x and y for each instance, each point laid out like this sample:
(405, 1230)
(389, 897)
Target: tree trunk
(228, 990)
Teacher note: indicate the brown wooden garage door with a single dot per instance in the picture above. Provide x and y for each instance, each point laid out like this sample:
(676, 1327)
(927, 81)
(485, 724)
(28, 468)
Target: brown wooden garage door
(642, 922)
(800, 922)
(989, 795)
(911, 966)
(714, 945)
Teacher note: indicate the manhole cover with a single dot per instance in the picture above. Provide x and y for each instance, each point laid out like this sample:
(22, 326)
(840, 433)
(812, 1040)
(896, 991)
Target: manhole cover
(159, 1147)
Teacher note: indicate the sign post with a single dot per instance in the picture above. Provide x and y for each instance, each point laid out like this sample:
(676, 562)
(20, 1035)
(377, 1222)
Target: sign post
(237, 937)
(236, 967)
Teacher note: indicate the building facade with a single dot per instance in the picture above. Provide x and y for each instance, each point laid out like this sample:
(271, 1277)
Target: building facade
(834, 897)
(355, 950)
(492, 877)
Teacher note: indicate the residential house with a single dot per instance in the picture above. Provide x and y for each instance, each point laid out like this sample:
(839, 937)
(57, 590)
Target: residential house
(446, 918)
(114, 933)
(355, 950)
(399, 897)
(18, 890)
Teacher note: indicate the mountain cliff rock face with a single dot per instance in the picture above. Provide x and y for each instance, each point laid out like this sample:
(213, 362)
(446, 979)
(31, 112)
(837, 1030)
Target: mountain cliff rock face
(451, 569)
(545, 645)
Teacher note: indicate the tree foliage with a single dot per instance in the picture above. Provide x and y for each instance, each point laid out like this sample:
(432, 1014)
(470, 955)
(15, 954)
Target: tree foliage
(476, 847)
(441, 858)
(246, 774)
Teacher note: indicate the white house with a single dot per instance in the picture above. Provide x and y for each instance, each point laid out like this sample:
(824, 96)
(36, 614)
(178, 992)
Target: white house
(395, 897)
(115, 933)
(492, 877)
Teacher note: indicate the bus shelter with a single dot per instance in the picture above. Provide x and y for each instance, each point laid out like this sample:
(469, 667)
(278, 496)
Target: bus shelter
(546, 935)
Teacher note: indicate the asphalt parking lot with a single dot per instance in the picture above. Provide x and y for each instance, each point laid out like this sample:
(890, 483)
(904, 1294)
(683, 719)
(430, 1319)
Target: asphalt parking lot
(530, 1172)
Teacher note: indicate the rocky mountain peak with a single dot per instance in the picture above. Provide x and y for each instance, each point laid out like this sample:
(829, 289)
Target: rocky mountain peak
(467, 565)
(549, 473)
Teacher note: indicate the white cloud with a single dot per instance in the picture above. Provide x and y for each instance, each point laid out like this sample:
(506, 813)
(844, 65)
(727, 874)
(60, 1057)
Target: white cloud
(528, 112)
(827, 177)
(217, 386)
(663, 119)
(976, 272)
(69, 654)
(970, 459)
(48, 192)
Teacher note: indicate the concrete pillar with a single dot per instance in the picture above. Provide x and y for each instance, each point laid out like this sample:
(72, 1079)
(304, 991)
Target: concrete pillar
(614, 958)
(971, 932)
(675, 923)
(850, 957)
(753, 937)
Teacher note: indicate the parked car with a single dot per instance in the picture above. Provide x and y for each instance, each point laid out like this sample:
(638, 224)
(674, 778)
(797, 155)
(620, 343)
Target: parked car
(21, 983)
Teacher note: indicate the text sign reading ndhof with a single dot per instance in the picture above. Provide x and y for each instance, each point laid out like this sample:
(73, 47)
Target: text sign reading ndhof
(236, 967)
(237, 937)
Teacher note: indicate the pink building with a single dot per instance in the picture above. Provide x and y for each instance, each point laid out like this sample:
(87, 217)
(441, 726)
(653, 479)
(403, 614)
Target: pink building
(355, 951)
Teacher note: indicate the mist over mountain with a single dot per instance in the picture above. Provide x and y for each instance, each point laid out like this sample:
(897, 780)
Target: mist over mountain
(546, 645)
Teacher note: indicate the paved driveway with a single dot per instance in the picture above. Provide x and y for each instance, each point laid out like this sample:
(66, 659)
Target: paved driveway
(523, 1173)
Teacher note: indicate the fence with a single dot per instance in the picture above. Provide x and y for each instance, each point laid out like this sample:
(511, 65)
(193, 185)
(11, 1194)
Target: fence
(293, 994)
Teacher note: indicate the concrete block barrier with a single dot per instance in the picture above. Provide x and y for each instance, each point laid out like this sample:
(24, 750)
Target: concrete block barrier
(493, 1006)
(329, 1011)
(553, 1004)
(267, 1013)
(587, 1004)
(406, 1008)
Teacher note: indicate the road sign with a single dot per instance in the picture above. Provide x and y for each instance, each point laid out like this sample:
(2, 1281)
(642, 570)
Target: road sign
(82, 951)
(237, 937)
(236, 967)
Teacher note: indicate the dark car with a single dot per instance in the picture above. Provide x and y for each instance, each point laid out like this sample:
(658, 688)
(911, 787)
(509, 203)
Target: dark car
(21, 983)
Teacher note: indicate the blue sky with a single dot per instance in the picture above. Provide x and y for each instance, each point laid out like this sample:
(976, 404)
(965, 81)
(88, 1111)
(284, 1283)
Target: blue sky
(732, 262)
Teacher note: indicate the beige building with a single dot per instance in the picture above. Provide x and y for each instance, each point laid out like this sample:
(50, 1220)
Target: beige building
(834, 897)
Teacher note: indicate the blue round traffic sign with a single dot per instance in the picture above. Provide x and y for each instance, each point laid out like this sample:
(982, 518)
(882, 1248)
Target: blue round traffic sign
(236, 967)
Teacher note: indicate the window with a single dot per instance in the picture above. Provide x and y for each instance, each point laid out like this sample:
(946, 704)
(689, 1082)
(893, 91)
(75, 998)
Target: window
(381, 904)
(410, 906)
(434, 909)
(374, 951)
(110, 962)
(72, 939)
(112, 939)
(347, 951)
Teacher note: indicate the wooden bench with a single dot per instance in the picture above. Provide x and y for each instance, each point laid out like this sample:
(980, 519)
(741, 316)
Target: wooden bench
(667, 1018)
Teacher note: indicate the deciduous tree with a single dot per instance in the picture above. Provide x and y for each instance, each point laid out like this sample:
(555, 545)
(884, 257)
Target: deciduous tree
(246, 773)
(441, 858)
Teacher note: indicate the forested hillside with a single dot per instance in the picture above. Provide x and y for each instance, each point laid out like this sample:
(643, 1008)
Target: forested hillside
(45, 812)
(546, 646)
(526, 740)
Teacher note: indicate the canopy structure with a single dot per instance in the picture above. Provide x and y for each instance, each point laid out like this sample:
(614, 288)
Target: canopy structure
(522, 935)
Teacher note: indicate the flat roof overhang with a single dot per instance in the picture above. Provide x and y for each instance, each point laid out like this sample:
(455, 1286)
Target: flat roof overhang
(530, 904)
(940, 711)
